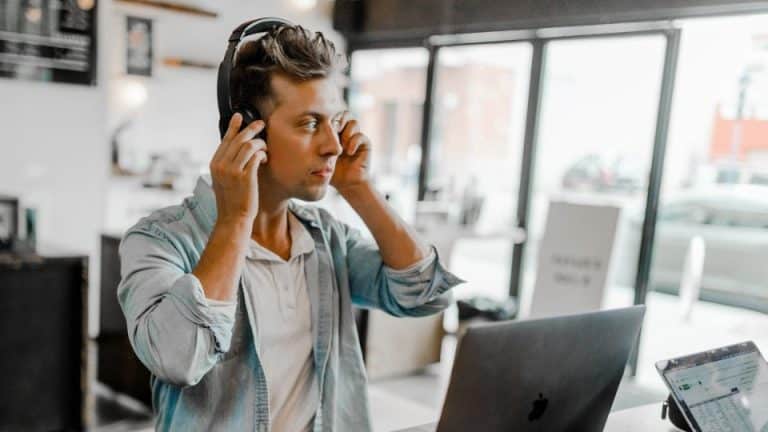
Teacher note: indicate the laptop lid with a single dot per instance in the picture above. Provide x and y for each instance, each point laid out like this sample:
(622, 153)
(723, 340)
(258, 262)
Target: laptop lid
(721, 389)
(553, 374)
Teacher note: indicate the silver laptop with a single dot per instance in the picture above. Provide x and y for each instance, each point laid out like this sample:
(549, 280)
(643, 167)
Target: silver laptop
(553, 374)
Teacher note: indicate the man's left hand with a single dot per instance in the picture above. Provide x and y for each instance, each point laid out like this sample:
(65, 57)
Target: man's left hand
(353, 164)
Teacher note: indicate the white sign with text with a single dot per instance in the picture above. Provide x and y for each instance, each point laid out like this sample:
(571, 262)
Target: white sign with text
(574, 259)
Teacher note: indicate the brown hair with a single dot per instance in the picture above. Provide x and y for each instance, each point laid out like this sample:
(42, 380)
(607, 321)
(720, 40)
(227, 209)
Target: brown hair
(294, 51)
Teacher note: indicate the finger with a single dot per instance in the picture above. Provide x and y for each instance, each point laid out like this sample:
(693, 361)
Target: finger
(249, 132)
(358, 140)
(248, 150)
(253, 163)
(343, 119)
(234, 126)
(345, 116)
(245, 135)
(350, 129)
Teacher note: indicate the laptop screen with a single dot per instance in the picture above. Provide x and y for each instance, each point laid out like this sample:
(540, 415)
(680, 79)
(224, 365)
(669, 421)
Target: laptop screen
(725, 389)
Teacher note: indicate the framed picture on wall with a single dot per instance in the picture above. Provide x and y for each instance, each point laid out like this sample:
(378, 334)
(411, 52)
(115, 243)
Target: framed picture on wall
(138, 46)
(9, 209)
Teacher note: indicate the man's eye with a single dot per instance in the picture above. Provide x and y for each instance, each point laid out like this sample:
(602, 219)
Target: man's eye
(311, 125)
(337, 125)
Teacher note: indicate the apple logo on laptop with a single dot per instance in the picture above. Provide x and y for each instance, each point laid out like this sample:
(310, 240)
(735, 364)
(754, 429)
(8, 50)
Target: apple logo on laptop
(539, 406)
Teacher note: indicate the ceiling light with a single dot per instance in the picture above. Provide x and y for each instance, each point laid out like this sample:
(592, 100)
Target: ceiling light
(304, 5)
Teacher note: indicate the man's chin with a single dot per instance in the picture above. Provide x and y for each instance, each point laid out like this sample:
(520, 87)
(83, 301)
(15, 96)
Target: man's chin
(313, 194)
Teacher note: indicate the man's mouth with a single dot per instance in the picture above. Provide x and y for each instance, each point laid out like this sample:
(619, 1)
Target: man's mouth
(323, 172)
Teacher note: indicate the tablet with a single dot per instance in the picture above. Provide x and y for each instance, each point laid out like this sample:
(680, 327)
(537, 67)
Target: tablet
(725, 389)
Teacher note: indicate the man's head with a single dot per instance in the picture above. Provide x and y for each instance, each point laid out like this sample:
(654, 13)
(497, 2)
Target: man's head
(292, 77)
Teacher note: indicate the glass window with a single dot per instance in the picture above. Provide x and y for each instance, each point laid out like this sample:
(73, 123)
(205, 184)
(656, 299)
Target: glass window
(596, 132)
(715, 168)
(716, 153)
(476, 146)
(387, 95)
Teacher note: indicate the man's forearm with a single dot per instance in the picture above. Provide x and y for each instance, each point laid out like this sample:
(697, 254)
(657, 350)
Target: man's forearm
(222, 261)
(398, 243)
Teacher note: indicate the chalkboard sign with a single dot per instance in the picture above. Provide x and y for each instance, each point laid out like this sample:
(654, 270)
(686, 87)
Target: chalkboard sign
(48, 40)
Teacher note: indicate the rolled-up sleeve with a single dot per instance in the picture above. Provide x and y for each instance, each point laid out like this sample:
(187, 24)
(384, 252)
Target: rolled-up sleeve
(421, 289)
(176, 332)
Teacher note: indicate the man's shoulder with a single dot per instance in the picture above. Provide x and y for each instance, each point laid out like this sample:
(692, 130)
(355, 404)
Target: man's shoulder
(169, 220)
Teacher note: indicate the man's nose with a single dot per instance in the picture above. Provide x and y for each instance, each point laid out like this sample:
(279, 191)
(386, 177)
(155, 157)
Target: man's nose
(331, 142)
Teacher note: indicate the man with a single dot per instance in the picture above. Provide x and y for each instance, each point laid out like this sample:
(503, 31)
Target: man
(239, 301)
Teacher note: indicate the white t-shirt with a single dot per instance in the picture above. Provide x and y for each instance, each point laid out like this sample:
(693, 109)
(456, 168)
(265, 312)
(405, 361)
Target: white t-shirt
(278, 290)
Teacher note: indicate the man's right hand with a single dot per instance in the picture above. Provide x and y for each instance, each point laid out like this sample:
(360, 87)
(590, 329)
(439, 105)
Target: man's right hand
(234, 170)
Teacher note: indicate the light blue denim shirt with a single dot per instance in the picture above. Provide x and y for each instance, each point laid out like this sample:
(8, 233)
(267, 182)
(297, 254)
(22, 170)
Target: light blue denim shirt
(206, 372)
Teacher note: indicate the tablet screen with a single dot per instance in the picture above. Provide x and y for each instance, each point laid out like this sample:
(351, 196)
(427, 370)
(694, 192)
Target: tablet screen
(725, 389)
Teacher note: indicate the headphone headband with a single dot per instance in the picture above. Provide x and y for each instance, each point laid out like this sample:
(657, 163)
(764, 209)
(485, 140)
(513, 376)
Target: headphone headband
(259, 25)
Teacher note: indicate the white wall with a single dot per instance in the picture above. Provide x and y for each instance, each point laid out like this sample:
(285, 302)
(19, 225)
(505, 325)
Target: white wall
(54, 153)
(54, 150)
(180, 111)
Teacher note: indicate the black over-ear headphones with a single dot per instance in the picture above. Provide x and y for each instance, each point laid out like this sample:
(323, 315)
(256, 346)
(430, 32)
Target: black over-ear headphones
(226, 111)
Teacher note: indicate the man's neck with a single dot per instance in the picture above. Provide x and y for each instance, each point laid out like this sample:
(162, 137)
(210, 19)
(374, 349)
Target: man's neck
(270, 227)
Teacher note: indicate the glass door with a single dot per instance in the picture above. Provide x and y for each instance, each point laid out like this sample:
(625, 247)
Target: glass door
(476, 141)
(595, 141)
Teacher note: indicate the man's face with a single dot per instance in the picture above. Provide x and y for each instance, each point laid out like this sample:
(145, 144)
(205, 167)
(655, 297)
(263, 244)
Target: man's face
(302, 137)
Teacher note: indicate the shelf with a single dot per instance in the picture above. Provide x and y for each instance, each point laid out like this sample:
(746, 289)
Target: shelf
(182, 62)
(173, 7)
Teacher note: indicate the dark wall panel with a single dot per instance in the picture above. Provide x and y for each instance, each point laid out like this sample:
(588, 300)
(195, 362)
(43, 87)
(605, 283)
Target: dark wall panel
(470, 14)
(42, 366)
(395, 18)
